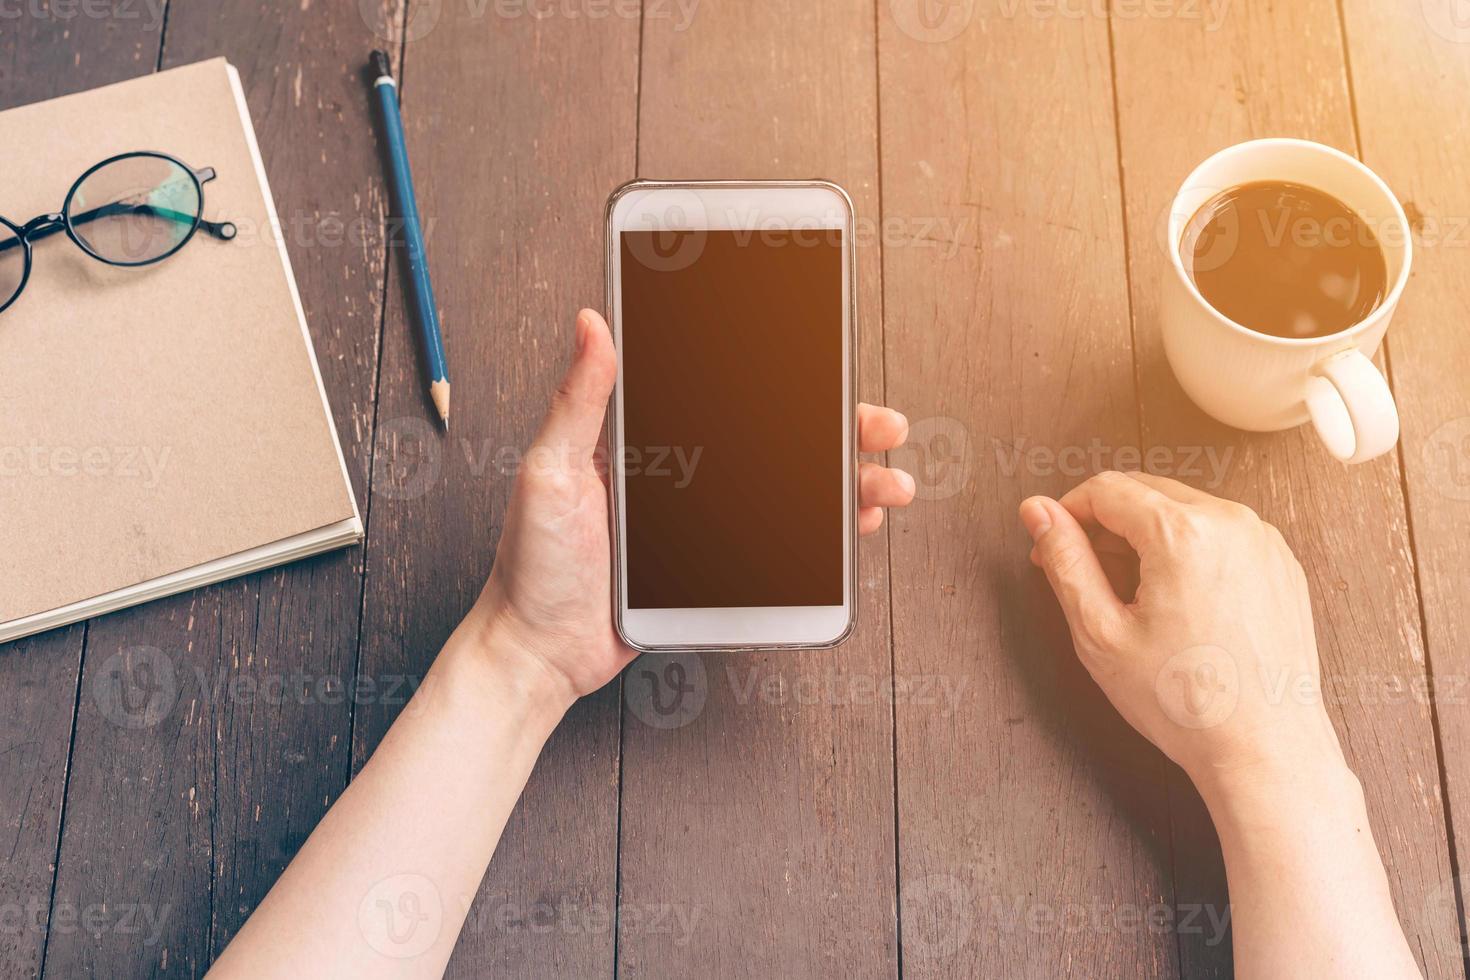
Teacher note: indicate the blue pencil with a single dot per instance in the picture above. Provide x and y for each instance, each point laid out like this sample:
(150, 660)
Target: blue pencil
(419, 284)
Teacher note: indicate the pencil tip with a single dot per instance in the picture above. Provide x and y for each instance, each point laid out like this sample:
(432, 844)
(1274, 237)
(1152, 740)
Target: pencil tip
(439, 392)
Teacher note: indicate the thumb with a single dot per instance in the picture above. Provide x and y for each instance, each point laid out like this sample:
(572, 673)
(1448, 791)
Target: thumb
(1065, 553)
(574, 422)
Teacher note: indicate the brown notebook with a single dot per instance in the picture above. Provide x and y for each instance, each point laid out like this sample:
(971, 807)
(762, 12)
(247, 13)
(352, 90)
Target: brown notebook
(161, 427)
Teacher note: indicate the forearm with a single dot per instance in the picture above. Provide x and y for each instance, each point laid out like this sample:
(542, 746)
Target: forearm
(382, 886)
(1309, 897)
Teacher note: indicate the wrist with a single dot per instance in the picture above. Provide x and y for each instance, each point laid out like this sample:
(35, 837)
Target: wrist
(1279, 797)
(493, 661)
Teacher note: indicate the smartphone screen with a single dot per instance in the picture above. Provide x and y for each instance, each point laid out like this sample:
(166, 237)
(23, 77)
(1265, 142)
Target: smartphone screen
(732, 436)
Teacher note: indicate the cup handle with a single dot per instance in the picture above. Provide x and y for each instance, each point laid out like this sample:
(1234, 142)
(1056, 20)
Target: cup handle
(1352, 408)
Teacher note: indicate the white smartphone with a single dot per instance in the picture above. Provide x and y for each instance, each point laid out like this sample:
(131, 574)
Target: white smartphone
(732, 434)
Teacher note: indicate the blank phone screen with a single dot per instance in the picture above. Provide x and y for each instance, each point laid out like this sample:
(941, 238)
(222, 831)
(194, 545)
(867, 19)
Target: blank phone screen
(732, 438)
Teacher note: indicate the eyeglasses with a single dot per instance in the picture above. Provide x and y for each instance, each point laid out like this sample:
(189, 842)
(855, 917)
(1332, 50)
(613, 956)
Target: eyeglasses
(129, 210)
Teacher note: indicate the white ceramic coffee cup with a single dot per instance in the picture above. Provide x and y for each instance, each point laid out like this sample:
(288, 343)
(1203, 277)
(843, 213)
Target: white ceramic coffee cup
(1263, 383)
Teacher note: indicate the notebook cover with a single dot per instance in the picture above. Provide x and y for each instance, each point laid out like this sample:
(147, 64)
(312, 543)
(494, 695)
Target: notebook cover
(155, 418)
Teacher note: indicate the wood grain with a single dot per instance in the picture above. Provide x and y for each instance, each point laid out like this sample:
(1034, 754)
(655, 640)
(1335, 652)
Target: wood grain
(195, 814)
(1033, 830)
(759, 838)
(766, 821)
(517, 128)
(43, 56)
(1409, 62)
(1188, 86)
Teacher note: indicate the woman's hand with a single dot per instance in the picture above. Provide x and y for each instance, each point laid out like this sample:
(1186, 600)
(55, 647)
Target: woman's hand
(549, 597)
(1214, 660)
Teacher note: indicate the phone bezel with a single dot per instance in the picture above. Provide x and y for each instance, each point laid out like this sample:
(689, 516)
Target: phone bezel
(716, 205)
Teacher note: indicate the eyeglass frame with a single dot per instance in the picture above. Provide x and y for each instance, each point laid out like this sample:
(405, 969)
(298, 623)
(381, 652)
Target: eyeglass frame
(45, 225)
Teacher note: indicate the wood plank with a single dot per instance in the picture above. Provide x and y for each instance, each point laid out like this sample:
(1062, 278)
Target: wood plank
(43, 56)
(38, 686)
(192, 817)
(1408, 62)
(518, 128)
(766, 821)
(1033, 828)
(1188, 86)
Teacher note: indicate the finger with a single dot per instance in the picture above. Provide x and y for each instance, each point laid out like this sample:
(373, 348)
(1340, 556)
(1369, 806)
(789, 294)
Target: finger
(1065, 553)
(870, 519)
(1126, 507)
(879, 486)
(574, 422)
(1173, 489)
(880, 429)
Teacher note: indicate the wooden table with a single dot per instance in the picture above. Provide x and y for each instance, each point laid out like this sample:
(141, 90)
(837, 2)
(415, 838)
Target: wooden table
(946, 795)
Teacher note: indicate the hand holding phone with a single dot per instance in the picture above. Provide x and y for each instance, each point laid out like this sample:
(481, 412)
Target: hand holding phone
(550, 591)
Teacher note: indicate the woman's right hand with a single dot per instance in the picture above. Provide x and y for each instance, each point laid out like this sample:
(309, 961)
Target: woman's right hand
(1214, 659)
